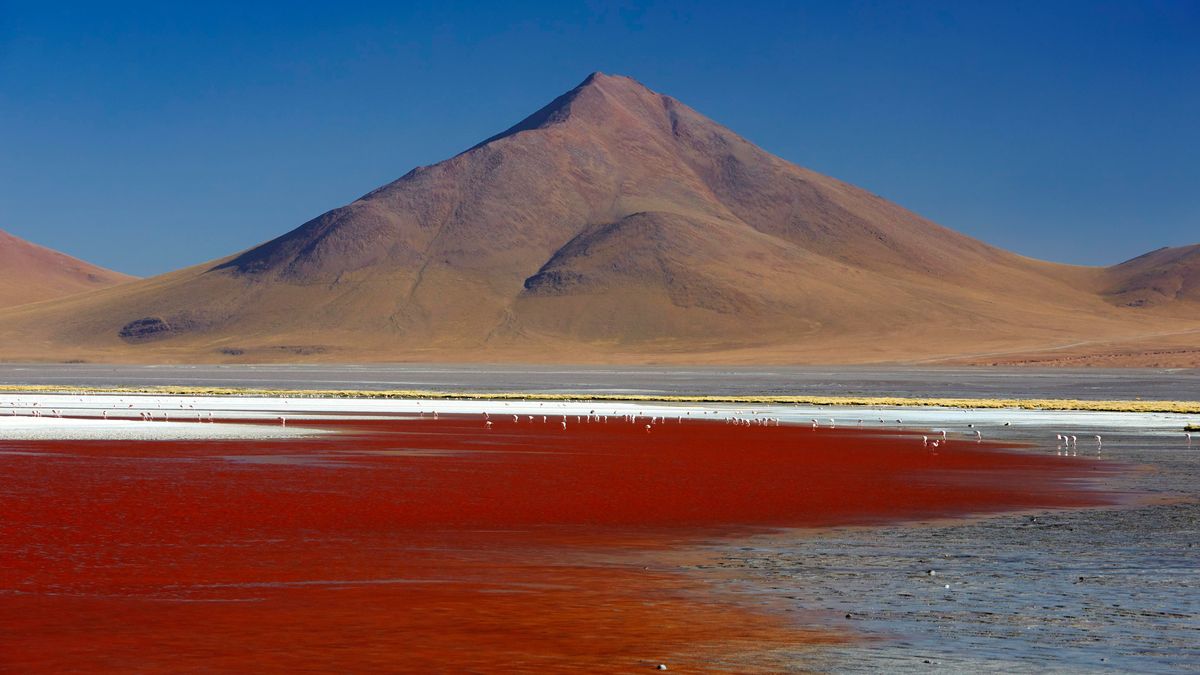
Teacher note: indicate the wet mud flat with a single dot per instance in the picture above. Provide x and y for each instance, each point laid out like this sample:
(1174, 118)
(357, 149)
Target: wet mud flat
(411, 543)
(1087, 590)
(894, 381)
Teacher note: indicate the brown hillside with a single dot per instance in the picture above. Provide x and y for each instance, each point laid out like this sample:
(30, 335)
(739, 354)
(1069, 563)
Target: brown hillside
(615, 224)
(1156, 278)
(31, 273)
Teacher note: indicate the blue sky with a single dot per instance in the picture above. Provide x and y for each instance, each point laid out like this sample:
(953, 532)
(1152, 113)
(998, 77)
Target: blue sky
(146, 137)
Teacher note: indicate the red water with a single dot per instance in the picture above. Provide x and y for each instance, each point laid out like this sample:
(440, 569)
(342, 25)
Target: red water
(438, 545)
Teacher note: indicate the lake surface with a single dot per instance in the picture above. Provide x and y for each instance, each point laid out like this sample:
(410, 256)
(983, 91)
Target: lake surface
(409, 542)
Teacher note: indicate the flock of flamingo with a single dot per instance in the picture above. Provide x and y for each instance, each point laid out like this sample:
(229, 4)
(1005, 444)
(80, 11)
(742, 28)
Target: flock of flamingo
(648, 422)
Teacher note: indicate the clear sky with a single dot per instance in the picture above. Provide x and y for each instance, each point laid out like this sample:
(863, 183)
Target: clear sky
(147, 137)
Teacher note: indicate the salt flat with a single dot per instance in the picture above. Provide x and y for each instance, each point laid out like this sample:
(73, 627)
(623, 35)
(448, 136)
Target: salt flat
(900, 381)
(94, 427)
(82, 416)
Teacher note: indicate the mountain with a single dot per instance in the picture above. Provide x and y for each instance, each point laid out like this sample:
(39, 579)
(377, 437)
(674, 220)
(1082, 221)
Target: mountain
(614, 224)
(1159, 277)
(31, 273)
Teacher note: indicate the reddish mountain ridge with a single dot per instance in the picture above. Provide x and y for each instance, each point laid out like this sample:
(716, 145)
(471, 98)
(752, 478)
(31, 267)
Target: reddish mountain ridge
(615, 224)
(32, 273)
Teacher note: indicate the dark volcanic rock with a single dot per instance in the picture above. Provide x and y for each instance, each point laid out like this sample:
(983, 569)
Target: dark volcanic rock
(144, 329)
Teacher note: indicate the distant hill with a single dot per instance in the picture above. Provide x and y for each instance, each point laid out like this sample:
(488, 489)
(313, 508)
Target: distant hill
(31, 273)
(1163, 276)
(615, 224)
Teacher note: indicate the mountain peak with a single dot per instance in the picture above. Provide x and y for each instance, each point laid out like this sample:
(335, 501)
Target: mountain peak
(594, 91)
(600, 78)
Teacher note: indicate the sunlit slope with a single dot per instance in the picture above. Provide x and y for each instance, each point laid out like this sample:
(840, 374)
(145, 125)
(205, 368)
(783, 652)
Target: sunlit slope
(32, 273)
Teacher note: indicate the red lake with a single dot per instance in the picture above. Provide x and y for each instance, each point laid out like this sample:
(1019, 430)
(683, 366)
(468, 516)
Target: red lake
(436, 544)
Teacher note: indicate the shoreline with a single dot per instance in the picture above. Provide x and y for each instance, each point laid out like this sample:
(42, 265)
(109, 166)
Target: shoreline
(1186, 407)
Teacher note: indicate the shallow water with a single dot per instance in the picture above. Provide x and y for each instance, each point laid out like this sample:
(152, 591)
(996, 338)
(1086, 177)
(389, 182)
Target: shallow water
(1061, 591)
